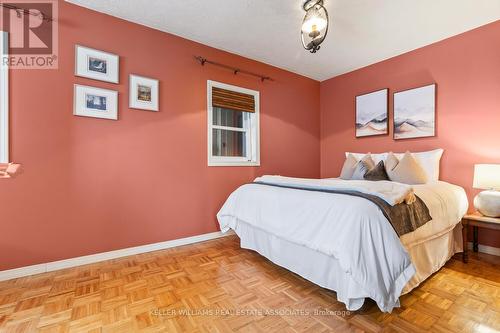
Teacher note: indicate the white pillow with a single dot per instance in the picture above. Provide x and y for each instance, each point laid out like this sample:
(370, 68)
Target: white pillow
(428, 160)
(349, 167)
(375, 157)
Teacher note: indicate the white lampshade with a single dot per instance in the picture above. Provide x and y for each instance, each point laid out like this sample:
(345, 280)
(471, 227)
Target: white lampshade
(487, 176)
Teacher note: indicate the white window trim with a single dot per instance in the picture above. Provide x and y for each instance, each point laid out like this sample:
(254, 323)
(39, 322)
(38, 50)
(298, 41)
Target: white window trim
(253, 131)
(4, 99)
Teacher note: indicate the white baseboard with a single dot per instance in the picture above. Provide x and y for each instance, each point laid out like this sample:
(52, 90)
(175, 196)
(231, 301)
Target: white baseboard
(485, 249)
(93, 258)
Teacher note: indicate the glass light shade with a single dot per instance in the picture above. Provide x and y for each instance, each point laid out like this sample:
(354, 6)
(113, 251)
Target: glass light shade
(315, 25)
(487, 176)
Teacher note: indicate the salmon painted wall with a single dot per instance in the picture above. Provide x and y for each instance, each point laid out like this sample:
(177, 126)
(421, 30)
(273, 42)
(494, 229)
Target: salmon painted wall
(92, 185)
(466, 69)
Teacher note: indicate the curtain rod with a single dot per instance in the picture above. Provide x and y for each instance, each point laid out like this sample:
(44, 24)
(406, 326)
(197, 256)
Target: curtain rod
(25, 11)
(235, 70)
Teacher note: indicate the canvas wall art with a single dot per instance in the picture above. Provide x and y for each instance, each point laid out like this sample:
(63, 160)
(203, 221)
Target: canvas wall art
(372, 113)
(415, 113)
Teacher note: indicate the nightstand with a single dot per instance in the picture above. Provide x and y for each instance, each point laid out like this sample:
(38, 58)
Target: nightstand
(476, 220)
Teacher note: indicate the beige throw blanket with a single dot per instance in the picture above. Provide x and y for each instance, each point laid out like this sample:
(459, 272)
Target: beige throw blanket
(391, 192)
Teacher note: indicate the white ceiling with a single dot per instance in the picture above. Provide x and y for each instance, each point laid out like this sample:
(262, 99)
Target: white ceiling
(362, 32)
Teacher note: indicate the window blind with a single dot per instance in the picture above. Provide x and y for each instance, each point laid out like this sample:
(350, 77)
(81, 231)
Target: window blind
(228, 99)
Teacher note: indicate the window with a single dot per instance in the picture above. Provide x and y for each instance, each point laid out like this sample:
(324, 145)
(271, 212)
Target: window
(4, 102)
(233, 125)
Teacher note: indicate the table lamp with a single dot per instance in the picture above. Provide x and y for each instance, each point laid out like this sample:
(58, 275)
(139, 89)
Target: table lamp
(487, 177)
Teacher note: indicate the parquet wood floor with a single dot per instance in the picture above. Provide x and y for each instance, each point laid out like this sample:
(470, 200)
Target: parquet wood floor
(149, 292)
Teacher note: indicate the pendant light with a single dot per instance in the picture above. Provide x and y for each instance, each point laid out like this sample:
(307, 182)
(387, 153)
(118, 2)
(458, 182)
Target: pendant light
(315, 25)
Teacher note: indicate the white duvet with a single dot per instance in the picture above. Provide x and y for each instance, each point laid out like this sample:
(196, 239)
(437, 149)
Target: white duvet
(349, 228)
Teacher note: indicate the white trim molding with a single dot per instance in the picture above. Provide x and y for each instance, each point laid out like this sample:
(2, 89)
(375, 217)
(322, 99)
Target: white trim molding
(4, 98)
(485, 249)
(93, 258)
(251, 128)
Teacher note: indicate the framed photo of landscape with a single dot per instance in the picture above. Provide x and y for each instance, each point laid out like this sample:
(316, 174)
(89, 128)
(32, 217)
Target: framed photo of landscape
(415, 113)
(144, 93)
(372, 113)
(95, 102)
(97, 65)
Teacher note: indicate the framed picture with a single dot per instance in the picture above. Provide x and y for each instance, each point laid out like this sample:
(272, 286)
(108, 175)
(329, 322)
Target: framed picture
(95, 102)
(143, 93)
(95, 64)
(415, 113)
(372, 113)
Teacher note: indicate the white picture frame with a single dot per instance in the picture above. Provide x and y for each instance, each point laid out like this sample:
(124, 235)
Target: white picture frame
(143, 93)
(372, 113)
(415, 113)
(95, 102)
(4, 98)
(96, 65)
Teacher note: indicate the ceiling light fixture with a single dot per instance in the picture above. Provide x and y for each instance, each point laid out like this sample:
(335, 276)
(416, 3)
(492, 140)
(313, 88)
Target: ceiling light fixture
(315, 25)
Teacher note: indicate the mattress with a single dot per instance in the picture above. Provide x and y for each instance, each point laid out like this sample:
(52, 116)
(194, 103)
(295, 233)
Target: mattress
(349, 235)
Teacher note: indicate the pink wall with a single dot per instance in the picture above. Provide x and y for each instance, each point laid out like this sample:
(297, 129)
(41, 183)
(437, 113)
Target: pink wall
(466, 69)
(92, 185)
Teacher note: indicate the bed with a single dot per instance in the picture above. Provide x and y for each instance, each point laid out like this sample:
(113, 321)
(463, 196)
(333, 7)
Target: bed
(343, 242)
